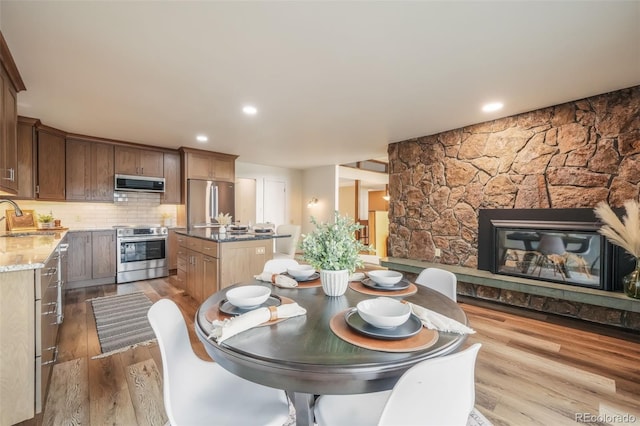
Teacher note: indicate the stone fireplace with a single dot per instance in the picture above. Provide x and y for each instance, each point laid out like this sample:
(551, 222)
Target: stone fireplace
(552, 245)
(567, 156)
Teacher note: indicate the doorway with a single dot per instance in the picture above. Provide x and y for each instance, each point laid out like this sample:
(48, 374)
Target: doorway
(275, 202)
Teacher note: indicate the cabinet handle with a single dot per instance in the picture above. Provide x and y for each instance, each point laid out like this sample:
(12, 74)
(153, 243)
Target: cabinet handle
(37, 189)
(141, 170)
(51, 271)
(55, 355)
(12, 175)
(52, 310)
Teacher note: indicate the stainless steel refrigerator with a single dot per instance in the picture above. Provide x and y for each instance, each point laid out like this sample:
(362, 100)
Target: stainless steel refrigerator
(206, 199)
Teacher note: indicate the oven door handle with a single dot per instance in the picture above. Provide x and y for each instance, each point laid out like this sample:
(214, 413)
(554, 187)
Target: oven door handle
(143, 239)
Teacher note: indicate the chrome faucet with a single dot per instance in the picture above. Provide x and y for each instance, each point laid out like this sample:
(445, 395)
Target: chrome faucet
(15, 206)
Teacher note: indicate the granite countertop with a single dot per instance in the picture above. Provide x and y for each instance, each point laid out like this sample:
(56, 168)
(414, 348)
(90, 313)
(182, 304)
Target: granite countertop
(27, 250)
(212, 234)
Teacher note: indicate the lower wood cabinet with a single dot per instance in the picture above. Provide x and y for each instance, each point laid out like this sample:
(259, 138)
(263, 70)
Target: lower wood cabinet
(28, 340)
(205, 266)
(91, 258)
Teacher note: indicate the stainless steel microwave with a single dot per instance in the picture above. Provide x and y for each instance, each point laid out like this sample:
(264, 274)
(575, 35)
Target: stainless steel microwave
(139, 183)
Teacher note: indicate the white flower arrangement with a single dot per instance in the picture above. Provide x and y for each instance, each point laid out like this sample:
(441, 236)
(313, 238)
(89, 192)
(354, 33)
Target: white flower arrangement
(333, 246)
(223, 219)
(625, 233)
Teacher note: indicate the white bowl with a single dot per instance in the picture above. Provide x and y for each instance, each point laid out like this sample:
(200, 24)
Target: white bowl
(248, 296)
(301, 272)
(384, 312)
(384, 277)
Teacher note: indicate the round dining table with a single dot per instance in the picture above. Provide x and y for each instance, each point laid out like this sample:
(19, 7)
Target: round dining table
(304, 357)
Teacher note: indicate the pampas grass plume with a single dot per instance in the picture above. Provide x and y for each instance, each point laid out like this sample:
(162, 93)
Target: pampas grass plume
(625, 233)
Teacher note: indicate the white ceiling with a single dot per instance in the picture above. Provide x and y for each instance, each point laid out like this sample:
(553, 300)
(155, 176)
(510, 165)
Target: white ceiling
(334, 81)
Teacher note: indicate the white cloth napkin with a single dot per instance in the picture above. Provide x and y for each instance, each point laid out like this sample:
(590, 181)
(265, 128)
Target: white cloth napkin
(230, 327)
(435, 321)
(277, 279)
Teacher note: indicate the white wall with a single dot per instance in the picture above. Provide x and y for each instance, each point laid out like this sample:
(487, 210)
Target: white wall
(321, 183)
(293, 182)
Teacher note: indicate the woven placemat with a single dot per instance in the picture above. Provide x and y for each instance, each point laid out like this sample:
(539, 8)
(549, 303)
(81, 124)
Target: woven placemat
(214, 313)
(309, 284)
(361, 288)
(423, 340)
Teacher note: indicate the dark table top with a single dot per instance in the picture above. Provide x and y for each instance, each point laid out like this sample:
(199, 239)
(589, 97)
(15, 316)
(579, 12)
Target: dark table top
(302, 354)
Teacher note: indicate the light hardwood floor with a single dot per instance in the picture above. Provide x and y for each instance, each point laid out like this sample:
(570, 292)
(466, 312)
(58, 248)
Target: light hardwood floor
(532, 369)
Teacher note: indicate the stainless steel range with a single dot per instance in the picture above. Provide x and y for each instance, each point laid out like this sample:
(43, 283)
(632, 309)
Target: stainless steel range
(142, 252)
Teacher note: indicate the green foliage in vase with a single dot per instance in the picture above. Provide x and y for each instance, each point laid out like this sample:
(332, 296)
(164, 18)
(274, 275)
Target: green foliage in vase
(333, 246)
(45, 218)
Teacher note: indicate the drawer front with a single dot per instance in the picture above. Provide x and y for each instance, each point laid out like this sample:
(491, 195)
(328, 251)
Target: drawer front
(182, 240)
(209, 248)
(194, 243)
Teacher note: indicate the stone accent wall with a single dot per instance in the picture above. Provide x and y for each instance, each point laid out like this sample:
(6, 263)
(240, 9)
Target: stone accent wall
(566, 156)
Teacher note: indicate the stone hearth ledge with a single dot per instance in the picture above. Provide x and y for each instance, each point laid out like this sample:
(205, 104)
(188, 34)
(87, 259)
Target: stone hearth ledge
(571, 293)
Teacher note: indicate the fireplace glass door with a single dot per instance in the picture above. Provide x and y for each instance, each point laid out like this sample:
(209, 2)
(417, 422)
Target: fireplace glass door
(571, 257)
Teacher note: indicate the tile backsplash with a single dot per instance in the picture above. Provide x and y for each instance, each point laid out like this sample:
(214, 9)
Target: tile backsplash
(128, 208)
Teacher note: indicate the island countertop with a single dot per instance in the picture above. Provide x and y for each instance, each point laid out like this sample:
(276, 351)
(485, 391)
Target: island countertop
(27, 250)
(212, 234)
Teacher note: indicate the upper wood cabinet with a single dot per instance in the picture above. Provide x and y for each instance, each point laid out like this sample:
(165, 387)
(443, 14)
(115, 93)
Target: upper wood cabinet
(90, 171)
(209, 165)
(172, 188)
(10, 85)
(27, 159)
(51, 164)
(138, 162)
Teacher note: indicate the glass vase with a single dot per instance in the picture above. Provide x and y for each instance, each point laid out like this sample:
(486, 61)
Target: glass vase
(631, 282)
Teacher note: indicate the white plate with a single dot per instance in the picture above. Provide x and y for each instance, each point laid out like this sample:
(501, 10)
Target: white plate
(400, 285)
(403, 331)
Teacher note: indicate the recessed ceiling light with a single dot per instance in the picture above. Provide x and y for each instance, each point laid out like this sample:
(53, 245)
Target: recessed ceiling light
(250, 110)
(202, 138)
(493, 106)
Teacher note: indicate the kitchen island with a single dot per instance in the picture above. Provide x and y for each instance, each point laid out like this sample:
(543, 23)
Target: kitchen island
(30, 280)
(209, 261)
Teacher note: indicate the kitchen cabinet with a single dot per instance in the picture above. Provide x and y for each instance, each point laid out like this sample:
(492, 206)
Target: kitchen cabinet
(79, 265)
(208, 266)
(198, 267)
(209, 165)
(181, 262)
(8, 138)
(172, 250)
(51, 164)
(138, 162)
(92, 258)
(240, 261)
(28, 339)
(172, 188)
(27, 159)
(103, 249)
(90, 170)
(10, 84)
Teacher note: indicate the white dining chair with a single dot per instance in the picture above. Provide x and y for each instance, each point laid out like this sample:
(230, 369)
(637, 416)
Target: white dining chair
(438, 391)
(286, 247)
(440, 280)
(279, 266)
(198, 392)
